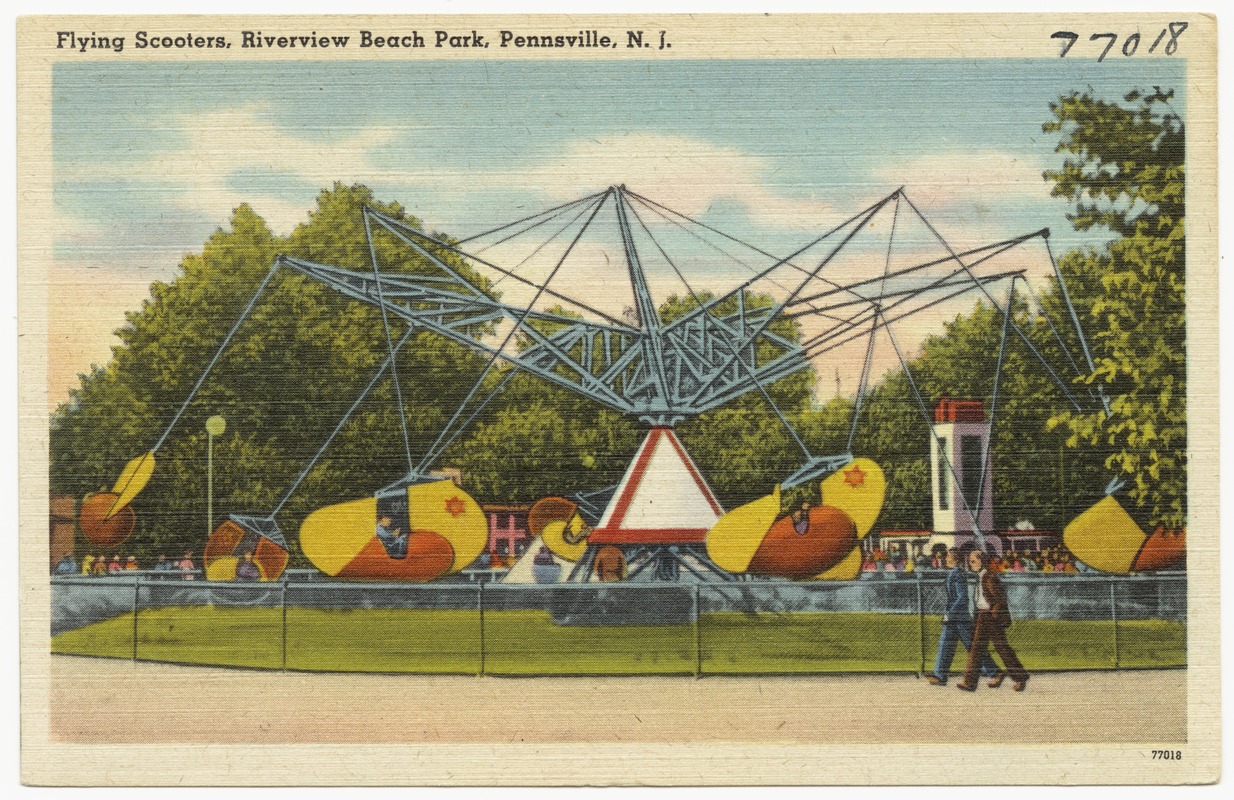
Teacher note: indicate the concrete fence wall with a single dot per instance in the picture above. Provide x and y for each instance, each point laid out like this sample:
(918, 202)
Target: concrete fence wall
(80, 601)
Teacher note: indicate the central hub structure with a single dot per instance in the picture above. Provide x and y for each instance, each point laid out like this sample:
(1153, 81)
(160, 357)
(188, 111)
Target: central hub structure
(661, 357)
(577, 309)
(633, 361)
(657, 519)
(662, 499)
(661, 368)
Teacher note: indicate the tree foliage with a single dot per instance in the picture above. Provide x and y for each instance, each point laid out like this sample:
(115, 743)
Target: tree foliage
(1124, 171)
(305, 353)
(291, 372)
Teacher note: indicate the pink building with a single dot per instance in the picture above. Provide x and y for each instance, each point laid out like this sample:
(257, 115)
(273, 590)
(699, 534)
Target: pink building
(508, 532)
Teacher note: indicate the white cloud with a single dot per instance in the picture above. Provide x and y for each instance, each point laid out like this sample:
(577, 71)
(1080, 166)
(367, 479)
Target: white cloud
(975, 180)
(223, 143)
(685, 174)
(218, 146)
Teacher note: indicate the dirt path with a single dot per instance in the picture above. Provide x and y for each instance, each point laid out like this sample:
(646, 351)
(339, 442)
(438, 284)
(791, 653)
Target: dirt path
(109, 701)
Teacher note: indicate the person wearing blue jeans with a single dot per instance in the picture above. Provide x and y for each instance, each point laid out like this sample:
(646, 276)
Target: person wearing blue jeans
(958, 627)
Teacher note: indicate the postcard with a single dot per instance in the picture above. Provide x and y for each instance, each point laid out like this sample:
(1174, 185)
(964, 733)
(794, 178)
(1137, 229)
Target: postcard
(624, 399)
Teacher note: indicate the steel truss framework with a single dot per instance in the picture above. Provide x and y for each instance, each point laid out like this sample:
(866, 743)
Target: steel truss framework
(660, 371)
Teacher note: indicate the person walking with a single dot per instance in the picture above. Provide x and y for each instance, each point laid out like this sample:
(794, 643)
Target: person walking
(993, 620)
(958, 627)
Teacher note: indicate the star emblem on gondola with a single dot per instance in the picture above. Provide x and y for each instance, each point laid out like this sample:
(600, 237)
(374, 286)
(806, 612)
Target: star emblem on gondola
(455, 506)
(854, 476)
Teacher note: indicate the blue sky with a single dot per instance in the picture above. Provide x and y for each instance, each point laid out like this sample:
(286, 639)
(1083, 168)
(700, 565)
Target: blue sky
(150, 158)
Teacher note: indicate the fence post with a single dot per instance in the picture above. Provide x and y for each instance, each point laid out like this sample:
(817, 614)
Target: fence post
(283, 603)
(698, 635)
(921, 626)
(1114, 619)
(480, 607)
(136, 589)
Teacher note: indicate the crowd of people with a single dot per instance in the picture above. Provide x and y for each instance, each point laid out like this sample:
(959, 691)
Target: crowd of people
(878, 561)
(1052, 560)
(100, 564)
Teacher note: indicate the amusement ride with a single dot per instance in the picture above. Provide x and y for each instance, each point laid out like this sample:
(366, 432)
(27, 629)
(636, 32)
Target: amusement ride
(575, 296)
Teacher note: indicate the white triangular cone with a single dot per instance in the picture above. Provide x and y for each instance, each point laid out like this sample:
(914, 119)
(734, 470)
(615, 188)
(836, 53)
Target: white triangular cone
(662, 497)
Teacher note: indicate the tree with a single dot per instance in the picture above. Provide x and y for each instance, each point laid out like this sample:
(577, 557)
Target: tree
(1124, 171)
(291, 372)
(294, 368)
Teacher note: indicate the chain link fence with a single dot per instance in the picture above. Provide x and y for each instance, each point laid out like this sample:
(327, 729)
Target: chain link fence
(879, 624)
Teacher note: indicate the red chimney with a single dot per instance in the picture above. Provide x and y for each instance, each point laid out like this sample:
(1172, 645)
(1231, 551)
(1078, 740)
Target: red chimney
(949, 410)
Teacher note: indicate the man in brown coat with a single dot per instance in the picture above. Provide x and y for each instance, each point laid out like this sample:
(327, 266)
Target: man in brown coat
(993, 620)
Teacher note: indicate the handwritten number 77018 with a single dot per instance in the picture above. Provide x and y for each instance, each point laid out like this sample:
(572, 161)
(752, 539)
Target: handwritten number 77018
(1130, 44)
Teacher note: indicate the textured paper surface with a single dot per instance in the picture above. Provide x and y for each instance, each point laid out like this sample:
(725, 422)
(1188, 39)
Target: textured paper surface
(116, 722)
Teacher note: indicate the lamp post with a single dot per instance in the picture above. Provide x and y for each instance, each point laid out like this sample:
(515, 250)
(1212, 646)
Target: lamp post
(214, 427)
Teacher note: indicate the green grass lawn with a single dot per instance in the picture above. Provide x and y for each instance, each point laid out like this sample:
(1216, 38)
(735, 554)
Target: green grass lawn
(812, 642)
(383, 640)
(856, 642)
(530, 643)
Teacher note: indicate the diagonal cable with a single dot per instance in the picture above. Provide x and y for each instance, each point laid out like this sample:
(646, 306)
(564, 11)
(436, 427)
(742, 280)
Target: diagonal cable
(987, 460)
(513, 330)
(313, 461)
(503, 226)
(385, 321)
(1023, 336)
(217, 353)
